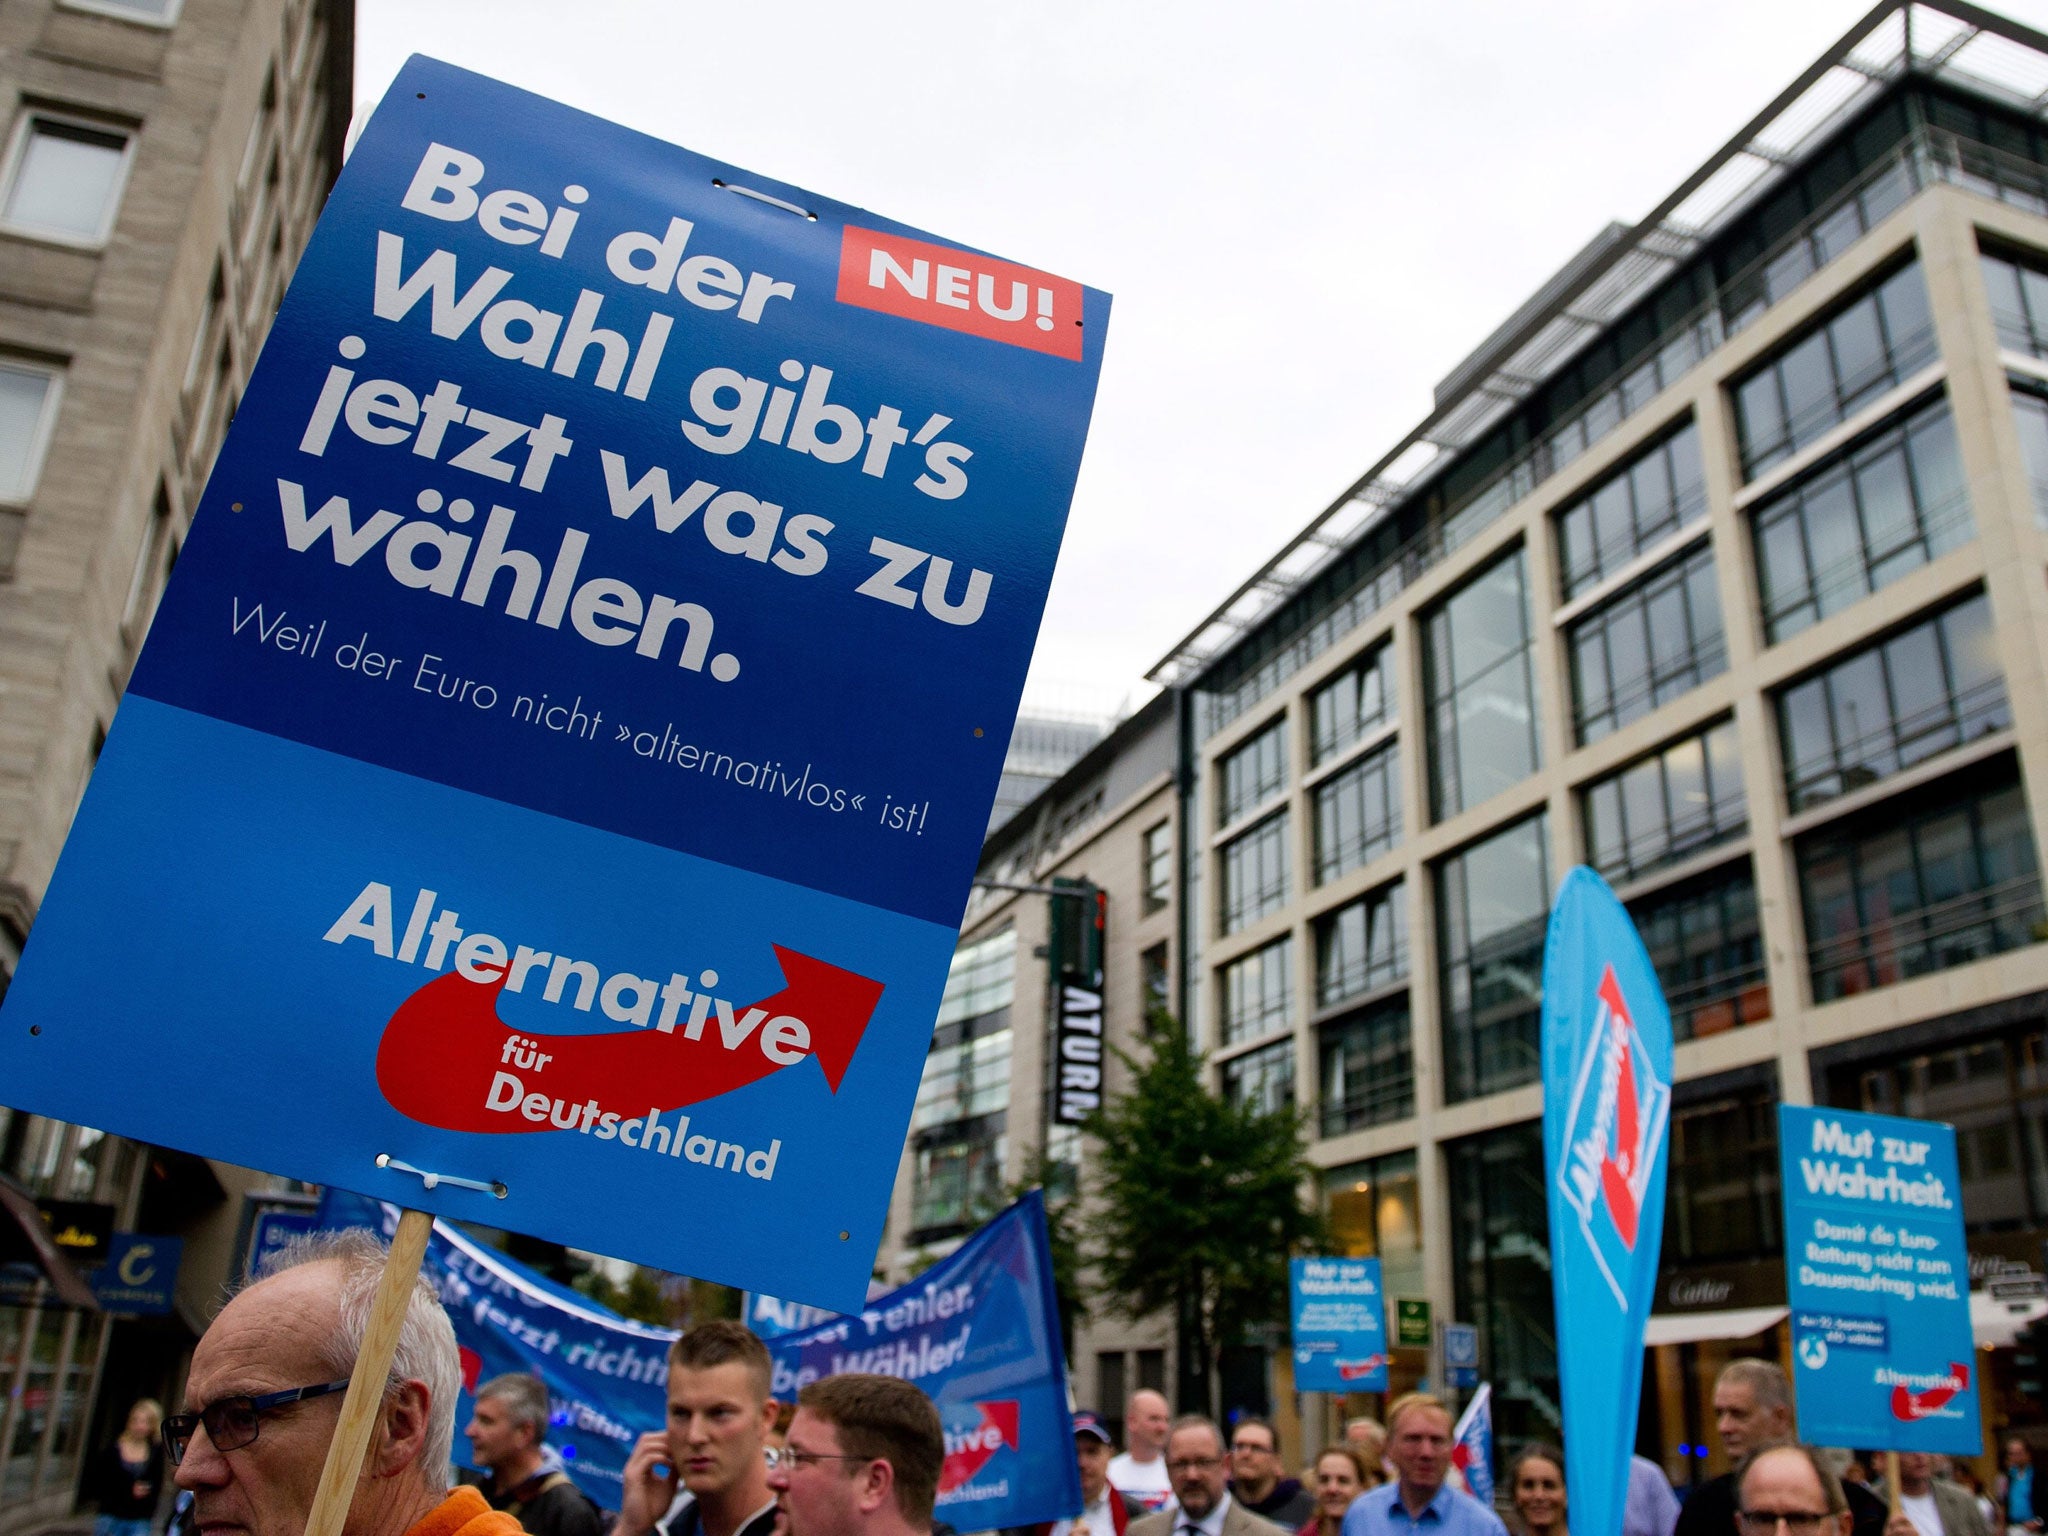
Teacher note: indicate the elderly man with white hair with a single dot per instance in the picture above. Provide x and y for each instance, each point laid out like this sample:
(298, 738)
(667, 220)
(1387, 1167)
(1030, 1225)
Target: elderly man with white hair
(265, 1392)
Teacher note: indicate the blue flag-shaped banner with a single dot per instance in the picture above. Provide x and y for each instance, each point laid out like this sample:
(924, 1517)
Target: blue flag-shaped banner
(1606, 1122)
(607, 1376)
(979, 1332)
(1882, 1346)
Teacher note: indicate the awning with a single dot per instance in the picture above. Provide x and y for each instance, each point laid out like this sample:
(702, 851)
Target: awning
(24, 1239)
(1998, 1324)
(1692, 1327)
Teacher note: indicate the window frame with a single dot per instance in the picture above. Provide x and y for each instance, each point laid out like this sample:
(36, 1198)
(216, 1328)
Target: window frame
(45, 429)
(119, 12)
(17, 157)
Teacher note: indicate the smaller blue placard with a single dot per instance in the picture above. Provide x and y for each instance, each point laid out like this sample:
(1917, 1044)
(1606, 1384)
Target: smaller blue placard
(140, 1277)
(1339, 1318)
(272, 1230)
(1878, 1278)
(1461, 1356)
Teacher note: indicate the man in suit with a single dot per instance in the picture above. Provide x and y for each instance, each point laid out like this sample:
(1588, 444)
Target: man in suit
(1201, 1482)
(1932, 1506)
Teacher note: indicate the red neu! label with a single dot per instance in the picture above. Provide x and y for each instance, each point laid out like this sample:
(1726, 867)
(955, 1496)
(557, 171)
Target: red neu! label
(961, 291)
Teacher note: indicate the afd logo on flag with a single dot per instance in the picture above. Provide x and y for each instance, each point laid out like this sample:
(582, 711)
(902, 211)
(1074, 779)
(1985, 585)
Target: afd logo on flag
(1614, 1131)
(962, 291)
(968, 1451)
(1917, 1396)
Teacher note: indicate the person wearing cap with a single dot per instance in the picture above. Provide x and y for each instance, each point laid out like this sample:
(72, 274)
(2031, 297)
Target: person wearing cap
(1104, 1511)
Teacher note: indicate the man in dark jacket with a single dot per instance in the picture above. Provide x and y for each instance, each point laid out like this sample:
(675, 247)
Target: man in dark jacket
(508, 1439)
(1752, 1410)
(1255, 1476)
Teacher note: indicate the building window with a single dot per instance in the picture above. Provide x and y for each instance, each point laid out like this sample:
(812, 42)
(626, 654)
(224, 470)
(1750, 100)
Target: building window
(1646, 645)
(1667, 806)
(1500, 1272)
(1921, 883)
(28, 414)
(1703, 938)
(1368, 1065)
(1834, 370)
(1493, 900)
(1482, 717)
(1374, 1210)
(1891, 705)
(981, 979)
(1263, 1079)
(1359, 700)
(1252, 774)
(1358, 813)
(1255, 874)
(1726, 1209)
(1653, 496)
(2018, 292)
(1258, 993)
(64, 180)
(957, 1184)
(1889, 507)
(156, 12)
(1154, 983)
(2030, 416)
(967, 1068)
(1362, 946)
(1158, 861)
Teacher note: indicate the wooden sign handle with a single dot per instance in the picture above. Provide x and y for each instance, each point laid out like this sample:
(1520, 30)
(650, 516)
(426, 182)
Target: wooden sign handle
(366, 1386)
(1891, 1483)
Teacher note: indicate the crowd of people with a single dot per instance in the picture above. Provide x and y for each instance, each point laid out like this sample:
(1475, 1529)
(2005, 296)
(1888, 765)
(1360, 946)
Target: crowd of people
(861, 1455)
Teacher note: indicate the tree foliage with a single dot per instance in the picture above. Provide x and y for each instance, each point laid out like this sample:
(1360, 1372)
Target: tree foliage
(1200, 1207)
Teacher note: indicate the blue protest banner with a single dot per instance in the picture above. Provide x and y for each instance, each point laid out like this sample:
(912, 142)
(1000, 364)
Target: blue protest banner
(771, 1317)
(140, 1276)
(1878, 1278)
(1338, 1319)
(1606, 1123)
(572, 724)
(607, 1376)
(979, 1332)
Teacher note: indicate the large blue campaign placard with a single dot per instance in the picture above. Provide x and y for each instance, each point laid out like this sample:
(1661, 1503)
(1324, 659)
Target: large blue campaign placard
(979, 1332)
(606, 1375)
(1606, 1134)
(1338, 1318)
(560, 757)
(1878, 1277)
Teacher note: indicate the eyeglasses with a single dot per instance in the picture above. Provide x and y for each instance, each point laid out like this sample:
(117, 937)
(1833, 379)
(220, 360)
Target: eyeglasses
(232, 1422)
(792, 1458)
(1195, 1464)
(1764, 1522)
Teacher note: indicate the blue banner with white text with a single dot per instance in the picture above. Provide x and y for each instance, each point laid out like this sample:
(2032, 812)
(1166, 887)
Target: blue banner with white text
(1338, 1322)
(606, 1375)
(1877, 1274)
(979, 1331)
(1606, 1132)
(571, 726)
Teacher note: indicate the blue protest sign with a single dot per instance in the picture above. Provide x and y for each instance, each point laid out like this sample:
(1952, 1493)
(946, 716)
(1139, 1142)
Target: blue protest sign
(1338, 1318)
(1606, 1123)
(1878, 1278)
(140, 1276)
(1461, 1355)
(572, 724)
(607, 1376)
(271, 1231)
(979, 1332)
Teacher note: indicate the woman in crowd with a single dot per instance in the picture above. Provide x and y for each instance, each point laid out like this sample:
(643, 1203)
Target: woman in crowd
(130, 1474)
(1536, 1483)
(1341, 1476)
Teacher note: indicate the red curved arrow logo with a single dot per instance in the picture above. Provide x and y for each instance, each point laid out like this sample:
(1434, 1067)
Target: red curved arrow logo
(1909, 1405)
(967, 1454)
(444, 1054)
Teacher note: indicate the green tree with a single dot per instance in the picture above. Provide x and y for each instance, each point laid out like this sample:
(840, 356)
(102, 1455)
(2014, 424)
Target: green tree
(1200, 1207)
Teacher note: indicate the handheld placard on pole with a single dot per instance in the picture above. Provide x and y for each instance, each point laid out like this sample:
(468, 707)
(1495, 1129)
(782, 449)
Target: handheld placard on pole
(366, 1384)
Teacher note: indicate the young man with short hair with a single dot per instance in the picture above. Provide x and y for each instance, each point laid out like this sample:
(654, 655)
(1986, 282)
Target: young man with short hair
(719, 1418)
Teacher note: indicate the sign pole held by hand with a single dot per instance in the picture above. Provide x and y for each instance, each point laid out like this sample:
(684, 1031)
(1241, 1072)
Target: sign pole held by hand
(366, 1386)
(1891, 1482)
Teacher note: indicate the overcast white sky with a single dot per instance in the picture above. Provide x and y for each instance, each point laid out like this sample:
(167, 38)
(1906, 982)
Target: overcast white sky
(1307, 213)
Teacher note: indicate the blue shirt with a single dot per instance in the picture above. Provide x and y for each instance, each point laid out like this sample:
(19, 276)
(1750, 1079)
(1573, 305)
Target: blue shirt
(1450, 1513)
(2019, 1495)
